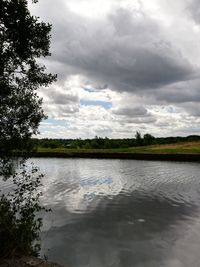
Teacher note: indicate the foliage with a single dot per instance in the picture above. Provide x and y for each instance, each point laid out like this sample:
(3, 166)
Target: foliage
(138, 138)
(107, 143)
(177, 148)
(148, 139)
(19, 226)
(23, 39)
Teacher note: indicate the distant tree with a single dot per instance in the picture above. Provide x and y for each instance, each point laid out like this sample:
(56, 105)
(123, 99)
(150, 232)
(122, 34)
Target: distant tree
(138, 138)
(107, 143)
(87, 145)
(95, 142)
(148, 139)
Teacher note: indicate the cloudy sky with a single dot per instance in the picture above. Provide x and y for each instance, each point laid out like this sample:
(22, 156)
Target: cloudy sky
(123, 66)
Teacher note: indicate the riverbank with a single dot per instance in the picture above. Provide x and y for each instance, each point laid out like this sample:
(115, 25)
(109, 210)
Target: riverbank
(184, 151)
(27, 262)
(189, 157)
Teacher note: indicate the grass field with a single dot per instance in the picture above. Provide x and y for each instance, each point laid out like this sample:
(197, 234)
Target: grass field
(178, 148)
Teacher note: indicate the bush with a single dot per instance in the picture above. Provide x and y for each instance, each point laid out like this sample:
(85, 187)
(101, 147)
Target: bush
(19, 224)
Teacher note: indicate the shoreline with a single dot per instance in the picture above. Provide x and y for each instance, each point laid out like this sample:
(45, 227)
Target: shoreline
(27, 261)
(187, 157)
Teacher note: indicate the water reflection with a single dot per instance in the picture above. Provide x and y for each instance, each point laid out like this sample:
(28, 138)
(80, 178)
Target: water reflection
(121, 213)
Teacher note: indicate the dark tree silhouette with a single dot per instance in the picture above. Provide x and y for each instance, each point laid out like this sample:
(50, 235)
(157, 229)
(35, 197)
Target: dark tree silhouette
(138, 138)
(23, 39)
(148, 139)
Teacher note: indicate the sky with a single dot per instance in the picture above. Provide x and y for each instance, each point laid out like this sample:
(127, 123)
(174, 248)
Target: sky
(123, 66)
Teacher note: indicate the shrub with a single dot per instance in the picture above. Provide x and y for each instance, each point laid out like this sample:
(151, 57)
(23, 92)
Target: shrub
(19, 222)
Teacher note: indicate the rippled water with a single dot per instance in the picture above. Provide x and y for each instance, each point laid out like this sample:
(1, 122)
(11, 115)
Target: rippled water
(121, 213)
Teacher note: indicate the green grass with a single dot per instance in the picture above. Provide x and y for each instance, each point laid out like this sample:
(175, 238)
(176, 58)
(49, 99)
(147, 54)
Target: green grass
(178, 148)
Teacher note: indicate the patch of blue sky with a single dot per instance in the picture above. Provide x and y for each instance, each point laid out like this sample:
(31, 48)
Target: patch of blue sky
(104, 104)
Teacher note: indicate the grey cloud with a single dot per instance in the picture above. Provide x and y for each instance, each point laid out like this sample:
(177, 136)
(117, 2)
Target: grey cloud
(133, 115)
(180, 93)
(129, 60)
(162, 124)
(60, 103)
(127, 51)
(174, 96)
(131, 112)
(194, 10)
(192, 109)
(64, 99)
(60, 97)
(61, 111)
(142, 120)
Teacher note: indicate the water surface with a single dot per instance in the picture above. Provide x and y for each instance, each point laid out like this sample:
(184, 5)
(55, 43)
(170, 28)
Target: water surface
(121, 213)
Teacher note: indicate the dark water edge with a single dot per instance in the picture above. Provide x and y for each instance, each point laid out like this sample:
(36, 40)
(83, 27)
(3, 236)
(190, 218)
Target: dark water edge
(183, 157)
(27, 261)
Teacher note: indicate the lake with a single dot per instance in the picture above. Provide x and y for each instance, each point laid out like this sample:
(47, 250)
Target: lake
(121, 213)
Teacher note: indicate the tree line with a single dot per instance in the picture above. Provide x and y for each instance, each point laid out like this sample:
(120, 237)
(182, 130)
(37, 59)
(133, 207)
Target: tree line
(108, 143)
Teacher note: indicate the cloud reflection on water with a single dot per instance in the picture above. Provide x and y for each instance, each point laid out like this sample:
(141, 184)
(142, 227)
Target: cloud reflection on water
(121, 213)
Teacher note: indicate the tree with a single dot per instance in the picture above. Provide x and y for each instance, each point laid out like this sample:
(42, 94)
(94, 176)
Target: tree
(138, 138)
(148, 139)
(23, 39)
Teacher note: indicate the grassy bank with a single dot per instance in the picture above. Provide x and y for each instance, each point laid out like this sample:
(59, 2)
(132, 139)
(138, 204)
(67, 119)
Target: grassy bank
(178, 148)
(189, 151)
